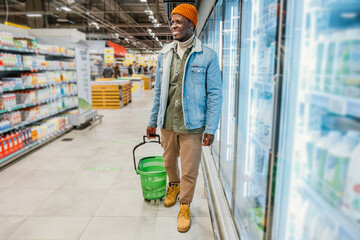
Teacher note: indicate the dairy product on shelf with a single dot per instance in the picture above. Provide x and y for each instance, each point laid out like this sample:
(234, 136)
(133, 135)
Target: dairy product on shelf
(351, 201)
(6, 39)
(336, 167)
(322, 148)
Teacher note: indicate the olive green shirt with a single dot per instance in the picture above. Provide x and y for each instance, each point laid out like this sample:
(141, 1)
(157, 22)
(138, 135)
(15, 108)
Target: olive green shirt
(174, 116)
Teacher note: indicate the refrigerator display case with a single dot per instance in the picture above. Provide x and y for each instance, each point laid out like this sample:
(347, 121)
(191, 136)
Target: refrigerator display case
(228, 112)
(318, 181)
(257, 106)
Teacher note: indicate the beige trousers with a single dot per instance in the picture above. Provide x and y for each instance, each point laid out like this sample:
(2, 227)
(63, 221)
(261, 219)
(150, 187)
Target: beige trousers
(188, 146)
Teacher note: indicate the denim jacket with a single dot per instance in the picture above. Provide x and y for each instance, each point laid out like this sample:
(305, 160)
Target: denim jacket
(201, 88)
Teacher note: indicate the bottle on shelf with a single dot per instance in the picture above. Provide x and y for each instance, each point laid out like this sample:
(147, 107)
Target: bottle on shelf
(321, 150)
(336, 167)
(351, 201)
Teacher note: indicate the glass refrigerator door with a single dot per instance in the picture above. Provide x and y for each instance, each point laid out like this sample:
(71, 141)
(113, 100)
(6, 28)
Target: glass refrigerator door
(230, 67)
(256, 106)
(319, 153)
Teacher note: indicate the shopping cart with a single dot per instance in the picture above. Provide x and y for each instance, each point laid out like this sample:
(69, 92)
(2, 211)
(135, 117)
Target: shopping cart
(152, 173)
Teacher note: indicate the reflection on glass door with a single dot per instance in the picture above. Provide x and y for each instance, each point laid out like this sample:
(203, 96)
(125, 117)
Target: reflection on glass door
(256, 106)
(320, 143)
(218, 40)
(230, 67)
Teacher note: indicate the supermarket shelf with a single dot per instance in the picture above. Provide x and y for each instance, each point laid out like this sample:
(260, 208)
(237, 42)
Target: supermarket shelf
(34, 146)
(12, 69)
(24, 123)
(336, 104)
(351, 228)
(21, 106)
(26, 50)
(36, 86)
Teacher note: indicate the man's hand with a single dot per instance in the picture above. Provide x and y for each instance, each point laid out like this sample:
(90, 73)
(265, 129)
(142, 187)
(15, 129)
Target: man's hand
(208, 139)
(150, 132)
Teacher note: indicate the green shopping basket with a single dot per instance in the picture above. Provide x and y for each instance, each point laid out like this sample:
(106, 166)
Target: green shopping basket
(152, 173)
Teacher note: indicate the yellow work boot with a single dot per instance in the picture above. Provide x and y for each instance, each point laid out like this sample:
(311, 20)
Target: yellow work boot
(171, 195)
(184, 217)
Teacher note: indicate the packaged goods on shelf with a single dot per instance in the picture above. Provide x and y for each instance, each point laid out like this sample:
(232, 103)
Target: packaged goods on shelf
(25, 97)
(67, 76)
(20, 43)
(5, 124)
(13, 117)
(7, 101)
(48, 127)
(14, 141)
(51, 49)
(29, 79)
(34, 61)
(11, 82)
(43, 94)
(34, 113)
(10, 60)
(30, 43)
(6, 39)
(71, 112)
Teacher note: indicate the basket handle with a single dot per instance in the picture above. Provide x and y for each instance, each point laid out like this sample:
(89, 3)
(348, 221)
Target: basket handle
(142, 143)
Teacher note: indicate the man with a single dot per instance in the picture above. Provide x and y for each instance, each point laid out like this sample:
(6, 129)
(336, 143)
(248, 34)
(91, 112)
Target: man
(130, 70)
(141, 70)
(108, 72)
(116, 71)
(186, 107)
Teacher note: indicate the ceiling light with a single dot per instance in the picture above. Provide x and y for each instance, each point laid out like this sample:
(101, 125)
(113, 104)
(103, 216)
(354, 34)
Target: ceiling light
(66, 9)
(149, 30)
(62, 20)
(97, 27)
(151, 17)
(33, 15)
(155, 21)
(142, 0)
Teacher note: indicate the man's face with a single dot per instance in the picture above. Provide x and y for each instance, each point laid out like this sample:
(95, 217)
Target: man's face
(181, 27)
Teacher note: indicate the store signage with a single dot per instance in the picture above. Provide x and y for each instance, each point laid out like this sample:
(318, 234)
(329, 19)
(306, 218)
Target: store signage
(109, 51)
(82, 59)
(109, 55)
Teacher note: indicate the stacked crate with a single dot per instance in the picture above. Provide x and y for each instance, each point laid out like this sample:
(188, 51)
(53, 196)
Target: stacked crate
(113, 96)
(147, 83)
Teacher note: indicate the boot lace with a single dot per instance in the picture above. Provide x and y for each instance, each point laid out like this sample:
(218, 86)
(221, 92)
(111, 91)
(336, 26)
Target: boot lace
(184, 213)
(170, 190)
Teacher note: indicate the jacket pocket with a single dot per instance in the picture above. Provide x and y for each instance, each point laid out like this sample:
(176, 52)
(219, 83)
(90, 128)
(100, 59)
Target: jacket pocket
(198, 75)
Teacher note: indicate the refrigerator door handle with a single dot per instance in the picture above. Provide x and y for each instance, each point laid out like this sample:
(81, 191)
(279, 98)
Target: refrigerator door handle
(277, 81)
(236, 97)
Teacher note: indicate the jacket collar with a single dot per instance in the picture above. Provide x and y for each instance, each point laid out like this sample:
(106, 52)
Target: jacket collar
(168, 47)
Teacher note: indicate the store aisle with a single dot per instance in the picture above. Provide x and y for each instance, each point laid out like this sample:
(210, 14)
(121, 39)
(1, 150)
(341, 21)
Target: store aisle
(87, 188)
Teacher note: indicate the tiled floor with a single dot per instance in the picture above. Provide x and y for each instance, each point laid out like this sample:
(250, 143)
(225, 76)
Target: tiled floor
(87, 188)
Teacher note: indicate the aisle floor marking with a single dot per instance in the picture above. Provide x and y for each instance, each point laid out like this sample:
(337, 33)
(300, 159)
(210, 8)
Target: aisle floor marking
(102, 169)
(134, 87)
(124, 141)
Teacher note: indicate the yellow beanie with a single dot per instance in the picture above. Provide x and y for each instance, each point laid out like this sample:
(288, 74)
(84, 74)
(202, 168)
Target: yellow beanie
(188, 11)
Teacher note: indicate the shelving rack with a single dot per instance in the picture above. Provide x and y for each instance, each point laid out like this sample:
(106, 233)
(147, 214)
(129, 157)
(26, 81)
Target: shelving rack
(6, 70)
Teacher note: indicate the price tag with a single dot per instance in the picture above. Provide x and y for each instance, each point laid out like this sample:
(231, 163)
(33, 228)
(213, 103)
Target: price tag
(337, 106)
